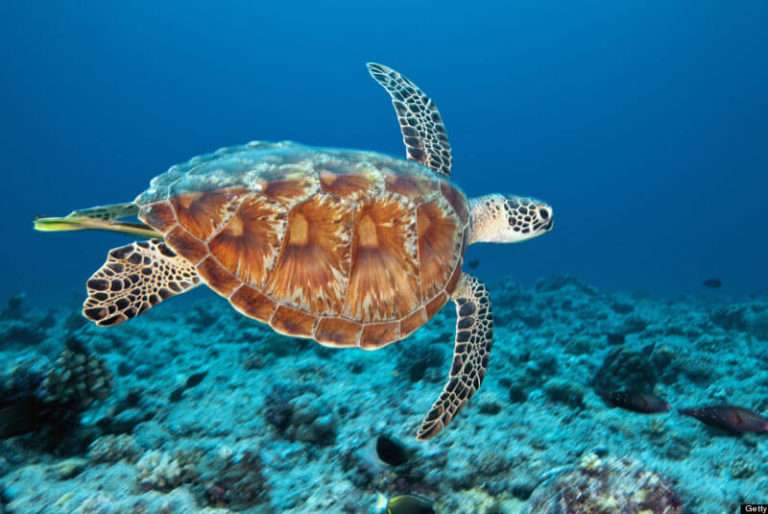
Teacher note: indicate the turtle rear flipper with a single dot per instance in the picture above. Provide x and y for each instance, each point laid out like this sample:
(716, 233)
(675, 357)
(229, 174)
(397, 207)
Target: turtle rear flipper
(135, 278)
(474, 337)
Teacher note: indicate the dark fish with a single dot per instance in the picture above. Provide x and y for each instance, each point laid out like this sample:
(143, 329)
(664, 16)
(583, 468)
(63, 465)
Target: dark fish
(645, 403)
(391, 451)
(194, 380)
(410, 504)
(177, 394)
(473, 264)
(728, 417)
(713, 283)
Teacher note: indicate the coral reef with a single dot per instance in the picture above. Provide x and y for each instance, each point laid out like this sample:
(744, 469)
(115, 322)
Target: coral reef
(209, 412)
(564, 391)
(114, 448)
(232, 480)
(600, 486)
(20, 327)
(160, 471)
(37, 395)
(626, 369)
(76, 378)
(300, 414)
(758, 323)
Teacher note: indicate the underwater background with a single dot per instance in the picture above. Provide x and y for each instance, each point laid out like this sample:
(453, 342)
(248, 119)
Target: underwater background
(643, 125)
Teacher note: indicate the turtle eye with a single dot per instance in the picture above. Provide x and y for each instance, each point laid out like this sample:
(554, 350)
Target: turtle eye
(544, 213)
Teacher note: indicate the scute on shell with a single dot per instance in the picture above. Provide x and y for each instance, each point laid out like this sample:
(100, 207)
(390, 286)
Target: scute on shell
(348, 248)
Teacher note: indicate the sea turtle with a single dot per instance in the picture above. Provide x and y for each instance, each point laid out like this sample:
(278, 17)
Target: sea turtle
(349, 248)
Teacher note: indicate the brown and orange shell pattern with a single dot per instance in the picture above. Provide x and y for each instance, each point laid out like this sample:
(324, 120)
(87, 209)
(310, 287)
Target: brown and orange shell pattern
(350, 248)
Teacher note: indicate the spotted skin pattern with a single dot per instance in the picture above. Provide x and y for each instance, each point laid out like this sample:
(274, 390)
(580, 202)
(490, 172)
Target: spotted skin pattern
(420, 122)
(474, 338)
(525, 217)
(135, 278)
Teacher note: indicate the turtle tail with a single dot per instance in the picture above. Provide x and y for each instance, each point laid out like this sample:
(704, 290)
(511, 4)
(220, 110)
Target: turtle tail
(106, 217)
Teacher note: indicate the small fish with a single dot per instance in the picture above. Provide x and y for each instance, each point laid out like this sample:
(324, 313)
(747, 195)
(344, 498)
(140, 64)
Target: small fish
(645, 403)
(728, 417)
(195, 379)
(473, 264)
(192, 381)
(391, 451)
(407, 504)
(713, 283)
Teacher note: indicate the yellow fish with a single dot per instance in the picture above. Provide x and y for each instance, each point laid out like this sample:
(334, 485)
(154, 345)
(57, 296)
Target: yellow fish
(406, 504)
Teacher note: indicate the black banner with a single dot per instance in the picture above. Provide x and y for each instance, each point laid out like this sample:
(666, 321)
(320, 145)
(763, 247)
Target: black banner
(754, 508)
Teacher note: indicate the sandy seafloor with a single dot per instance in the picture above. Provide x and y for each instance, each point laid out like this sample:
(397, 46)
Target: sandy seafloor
(279, 425)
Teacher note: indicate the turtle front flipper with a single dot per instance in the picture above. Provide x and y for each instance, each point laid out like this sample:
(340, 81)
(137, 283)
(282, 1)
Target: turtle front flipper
(474, 337)
(135, 278)
(420, 122)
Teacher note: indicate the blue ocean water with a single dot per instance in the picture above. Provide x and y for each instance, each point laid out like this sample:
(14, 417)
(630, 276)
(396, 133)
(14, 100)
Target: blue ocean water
(615, 369)
(644, 126)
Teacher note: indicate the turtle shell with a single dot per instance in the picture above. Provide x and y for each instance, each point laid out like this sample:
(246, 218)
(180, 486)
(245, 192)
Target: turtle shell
(346, 247)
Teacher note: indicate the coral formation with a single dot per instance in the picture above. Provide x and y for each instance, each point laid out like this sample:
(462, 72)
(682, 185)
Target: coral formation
(600, 486)
(37, 395)
(300, 414)
(234, 480)
(161, 471)
(210, 412)
(113, 448)
(76, 378)
(626, 369)
(419, 361)
(564, 391)
(758, 323)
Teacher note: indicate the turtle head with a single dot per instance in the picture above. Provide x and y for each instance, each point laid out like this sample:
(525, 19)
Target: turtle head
(509, 219)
